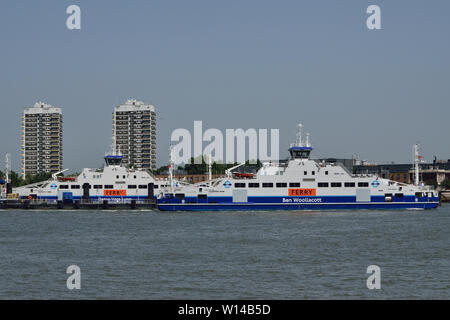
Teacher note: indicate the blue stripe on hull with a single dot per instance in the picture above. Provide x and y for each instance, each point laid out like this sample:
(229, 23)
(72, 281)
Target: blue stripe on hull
(322, 206)
(295, 203)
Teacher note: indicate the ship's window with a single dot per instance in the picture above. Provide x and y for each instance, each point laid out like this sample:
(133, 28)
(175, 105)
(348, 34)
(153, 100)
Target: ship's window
(419, 195)
(399, 195)
(253, 185)
(281, 184)
(349, 184)
(179, 195)
(388, 197)
(135, 177)
(294, 184)
(267, 185)
(239, 185)
(305, 173)
(64, 186)
(144, 186)
(117, 177)
(202, 196)
(326, 173)
(97, 186)
(363, 184)
(132, 186)
(322, 184)
(109, 186)
(155, 186)
(313, 172)
(336, 184)
(75, 186)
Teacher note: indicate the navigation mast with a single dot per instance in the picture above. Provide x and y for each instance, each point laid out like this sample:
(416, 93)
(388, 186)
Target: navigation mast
(171, 168)
(416, 163)
(209, 169)
(8, 168)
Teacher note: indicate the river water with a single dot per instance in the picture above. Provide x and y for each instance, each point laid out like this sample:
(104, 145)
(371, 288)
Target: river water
(225, 255)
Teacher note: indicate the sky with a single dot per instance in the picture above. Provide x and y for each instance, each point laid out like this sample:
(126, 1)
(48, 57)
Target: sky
(233, 64)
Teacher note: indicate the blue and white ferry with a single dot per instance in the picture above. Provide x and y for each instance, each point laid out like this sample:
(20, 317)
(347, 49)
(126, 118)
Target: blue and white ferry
(299, 184)
(114, 183)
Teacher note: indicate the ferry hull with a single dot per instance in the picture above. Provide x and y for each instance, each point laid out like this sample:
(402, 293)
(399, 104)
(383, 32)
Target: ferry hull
(290, 206)
(300, 183)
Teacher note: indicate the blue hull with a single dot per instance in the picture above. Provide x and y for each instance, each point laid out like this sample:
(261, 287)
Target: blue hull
(277, 206)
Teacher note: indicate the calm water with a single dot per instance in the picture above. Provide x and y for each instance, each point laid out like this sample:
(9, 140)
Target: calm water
(226, 255)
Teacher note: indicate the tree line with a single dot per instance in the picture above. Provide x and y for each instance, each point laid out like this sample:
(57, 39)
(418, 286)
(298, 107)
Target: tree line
(17, 180)
(202, 168)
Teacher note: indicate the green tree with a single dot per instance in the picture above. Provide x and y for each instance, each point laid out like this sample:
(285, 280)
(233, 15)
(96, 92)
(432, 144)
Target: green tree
(29, 178)
(160, 170)
(431, 182)
(16, 179)
(446, 184)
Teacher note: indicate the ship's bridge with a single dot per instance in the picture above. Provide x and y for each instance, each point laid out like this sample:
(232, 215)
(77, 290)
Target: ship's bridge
(113, 160)
(300, 152)
(300, 149)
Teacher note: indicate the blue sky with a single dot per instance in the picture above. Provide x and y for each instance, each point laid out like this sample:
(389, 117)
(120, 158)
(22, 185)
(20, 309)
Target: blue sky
(233, 64)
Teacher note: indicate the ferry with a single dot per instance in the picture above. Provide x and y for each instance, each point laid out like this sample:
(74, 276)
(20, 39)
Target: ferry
(301, 183)
(114, 183)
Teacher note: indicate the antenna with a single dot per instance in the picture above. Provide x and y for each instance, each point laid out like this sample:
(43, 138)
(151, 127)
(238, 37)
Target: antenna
(416, 158)
(113, 146)
(171, 167)
(299, 135)
(307, 140)
(209, 168)
(8, 167)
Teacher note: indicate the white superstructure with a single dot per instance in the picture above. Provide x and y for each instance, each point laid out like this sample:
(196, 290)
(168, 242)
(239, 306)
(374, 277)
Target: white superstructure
(114, 183)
